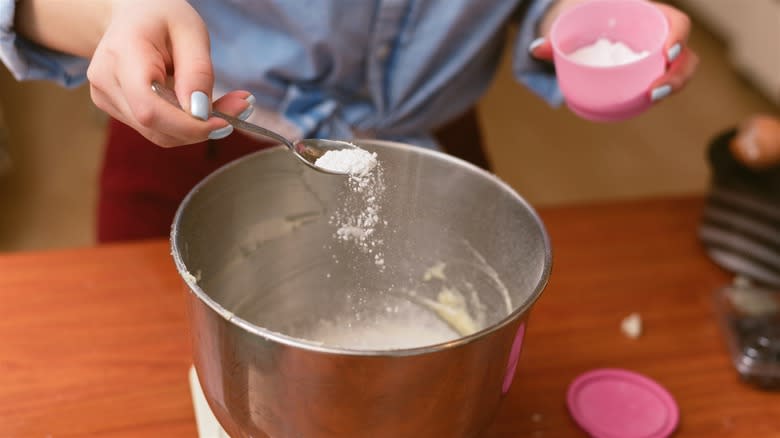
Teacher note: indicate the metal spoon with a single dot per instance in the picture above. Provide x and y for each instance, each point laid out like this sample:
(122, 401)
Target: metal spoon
(307, 150)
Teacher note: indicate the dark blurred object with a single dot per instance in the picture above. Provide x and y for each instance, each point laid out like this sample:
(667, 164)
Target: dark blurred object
(750, 319)
(757, 142)
(740, 227)
(740, 230)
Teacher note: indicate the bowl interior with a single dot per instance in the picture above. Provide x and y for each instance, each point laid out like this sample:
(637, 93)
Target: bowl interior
(257, 240)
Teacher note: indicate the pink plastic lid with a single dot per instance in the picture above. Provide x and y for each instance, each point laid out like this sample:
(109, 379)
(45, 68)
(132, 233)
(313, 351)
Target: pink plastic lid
(613, 403)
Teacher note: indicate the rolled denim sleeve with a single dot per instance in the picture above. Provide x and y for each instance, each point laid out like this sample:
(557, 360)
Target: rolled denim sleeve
(28, 61)
(538, 76)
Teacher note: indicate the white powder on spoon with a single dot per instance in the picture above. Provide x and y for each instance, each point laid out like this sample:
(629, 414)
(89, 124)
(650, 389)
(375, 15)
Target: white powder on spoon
(353, 162)
(605, 53)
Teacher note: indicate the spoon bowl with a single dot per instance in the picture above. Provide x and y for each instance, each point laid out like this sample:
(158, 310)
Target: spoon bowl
(308, 150)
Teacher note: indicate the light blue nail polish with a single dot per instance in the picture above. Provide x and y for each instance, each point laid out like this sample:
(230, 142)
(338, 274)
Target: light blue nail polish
(221, 132)
(199, 105)
(249, 110)
(673, 52)
(246, 113)
(536, 43)
(659, 93)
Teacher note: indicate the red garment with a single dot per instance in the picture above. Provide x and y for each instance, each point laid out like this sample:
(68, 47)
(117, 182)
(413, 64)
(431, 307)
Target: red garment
(142, 184)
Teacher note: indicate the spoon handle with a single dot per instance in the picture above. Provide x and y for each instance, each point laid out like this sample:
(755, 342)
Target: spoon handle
(246, 126)
(168, 94)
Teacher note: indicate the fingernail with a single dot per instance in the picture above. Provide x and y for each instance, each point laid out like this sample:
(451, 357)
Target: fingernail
(673, 52)
(536, 43)
(249, 110)
(199, 105)
(221, 132)
(659, 93)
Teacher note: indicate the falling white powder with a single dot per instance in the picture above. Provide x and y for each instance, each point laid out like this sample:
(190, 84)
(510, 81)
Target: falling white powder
(604, 53)
(358, 215)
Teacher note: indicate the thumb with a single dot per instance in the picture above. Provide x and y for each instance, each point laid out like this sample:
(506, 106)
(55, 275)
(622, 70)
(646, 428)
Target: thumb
(192, 69)
(541, 49)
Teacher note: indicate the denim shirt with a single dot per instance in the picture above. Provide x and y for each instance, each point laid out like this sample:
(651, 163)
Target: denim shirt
(391, 69)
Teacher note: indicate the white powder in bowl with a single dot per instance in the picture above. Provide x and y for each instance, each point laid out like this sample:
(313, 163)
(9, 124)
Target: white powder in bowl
(411, 329)
(605, 53)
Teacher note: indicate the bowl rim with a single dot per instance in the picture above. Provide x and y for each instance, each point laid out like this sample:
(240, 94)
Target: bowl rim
(313, 346)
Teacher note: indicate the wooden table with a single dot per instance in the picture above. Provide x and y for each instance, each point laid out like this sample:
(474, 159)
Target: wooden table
(93, 341)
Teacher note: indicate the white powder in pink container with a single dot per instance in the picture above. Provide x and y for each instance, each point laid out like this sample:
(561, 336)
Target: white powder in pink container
(605, 53)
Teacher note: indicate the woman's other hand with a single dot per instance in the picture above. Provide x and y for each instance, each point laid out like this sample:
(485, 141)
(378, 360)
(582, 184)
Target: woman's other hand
(681, 60)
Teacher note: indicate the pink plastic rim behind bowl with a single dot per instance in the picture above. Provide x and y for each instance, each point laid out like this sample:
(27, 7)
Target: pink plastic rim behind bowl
(609, 93)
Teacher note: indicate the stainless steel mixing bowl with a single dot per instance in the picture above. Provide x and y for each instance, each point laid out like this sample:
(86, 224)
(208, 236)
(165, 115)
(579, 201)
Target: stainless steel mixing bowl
(254, 243)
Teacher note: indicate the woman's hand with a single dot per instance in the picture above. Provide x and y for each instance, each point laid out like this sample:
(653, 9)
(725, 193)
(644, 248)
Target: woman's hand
(681, 60)
(146, 41)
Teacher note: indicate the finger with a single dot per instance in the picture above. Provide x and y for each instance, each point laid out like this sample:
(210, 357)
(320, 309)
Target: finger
(101, 81)
(541, 49)
(138, 68)
(239, 104)
(679, 31)
(106, 93)
(192, 64)
(104, 101)
(676, 77)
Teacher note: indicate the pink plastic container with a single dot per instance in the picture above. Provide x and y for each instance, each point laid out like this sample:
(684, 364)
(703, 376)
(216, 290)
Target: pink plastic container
(617, 92)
